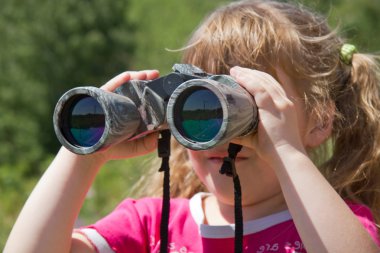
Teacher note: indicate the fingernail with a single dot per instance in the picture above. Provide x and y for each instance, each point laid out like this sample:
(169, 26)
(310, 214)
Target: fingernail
(234, 70)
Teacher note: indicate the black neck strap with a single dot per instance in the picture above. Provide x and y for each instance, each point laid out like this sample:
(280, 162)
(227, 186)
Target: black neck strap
(228, 168)
(164, 153)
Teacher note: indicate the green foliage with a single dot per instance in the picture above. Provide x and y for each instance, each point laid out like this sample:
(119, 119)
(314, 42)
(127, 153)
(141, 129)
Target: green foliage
(45, 52)
(15, 188)
(21, 100)
(358, 21)
(79, 43)
(163, 26)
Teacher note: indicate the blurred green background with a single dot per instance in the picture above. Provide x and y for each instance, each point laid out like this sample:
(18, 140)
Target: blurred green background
(48, 47)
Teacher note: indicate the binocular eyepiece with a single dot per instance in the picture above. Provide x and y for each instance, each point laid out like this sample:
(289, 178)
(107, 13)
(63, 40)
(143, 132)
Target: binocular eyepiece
(201, 110)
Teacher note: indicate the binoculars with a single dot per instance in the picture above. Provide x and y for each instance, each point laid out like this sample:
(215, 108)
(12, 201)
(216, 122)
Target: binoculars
(201, 111)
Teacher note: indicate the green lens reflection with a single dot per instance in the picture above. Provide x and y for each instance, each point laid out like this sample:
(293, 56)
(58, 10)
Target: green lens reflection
(201, 115)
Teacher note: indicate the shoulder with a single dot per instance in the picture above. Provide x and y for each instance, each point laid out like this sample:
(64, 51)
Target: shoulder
(134, 225)
(365, 216)
(361, 211)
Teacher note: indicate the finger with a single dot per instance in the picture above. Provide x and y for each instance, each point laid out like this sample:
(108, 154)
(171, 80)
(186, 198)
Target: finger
(257, 81)
(152, 74)
(115, 82)
(144, 74)
(246, 79)
(138, 75)
(141, 146)
(261, 85)
(147, 144)
(124, 77)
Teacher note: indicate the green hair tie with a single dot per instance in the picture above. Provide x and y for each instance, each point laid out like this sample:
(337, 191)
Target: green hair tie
(346, 53)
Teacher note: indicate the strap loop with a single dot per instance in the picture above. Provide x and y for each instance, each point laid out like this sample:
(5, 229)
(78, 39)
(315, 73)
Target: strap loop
(228, 167)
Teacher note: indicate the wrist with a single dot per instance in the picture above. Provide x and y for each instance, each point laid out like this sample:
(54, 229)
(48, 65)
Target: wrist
(89, 161)
(289, 149)
(287, 156)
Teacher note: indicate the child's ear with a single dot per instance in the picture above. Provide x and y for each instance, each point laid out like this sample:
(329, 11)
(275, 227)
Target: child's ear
(319, 129)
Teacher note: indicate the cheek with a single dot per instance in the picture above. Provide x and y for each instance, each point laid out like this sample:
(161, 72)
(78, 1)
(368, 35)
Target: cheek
(302, 120)
(198, 164)
(301, 113)
(208, 173)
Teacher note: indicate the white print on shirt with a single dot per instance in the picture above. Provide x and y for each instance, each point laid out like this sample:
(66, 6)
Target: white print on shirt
(171, 246)
(152, 241)
(296, 247)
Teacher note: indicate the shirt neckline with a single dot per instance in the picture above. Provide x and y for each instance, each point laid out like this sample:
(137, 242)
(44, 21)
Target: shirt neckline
(227, 231)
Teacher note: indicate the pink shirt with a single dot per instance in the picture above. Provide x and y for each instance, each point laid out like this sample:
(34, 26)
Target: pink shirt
(134, 226)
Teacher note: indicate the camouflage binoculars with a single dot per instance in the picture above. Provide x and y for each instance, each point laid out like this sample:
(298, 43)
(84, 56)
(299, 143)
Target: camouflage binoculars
(201, 110)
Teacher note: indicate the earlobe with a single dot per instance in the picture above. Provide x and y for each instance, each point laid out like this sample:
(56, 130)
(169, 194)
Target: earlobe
(319, 131)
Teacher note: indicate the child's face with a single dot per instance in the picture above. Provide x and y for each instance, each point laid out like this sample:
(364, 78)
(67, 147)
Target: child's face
(258, 180)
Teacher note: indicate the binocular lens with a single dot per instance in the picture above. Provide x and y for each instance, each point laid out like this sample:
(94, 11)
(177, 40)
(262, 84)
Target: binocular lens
(201, 114)
(84, 121)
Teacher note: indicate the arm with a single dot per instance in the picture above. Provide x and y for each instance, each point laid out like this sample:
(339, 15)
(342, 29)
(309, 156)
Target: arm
(45, 224)
(323, 220)
(47, 219)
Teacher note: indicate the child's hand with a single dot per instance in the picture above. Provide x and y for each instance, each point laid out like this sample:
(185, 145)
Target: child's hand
(278, 124)
(141, 146)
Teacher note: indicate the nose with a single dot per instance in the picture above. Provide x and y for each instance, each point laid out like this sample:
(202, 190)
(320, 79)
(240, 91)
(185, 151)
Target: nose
(245, 141)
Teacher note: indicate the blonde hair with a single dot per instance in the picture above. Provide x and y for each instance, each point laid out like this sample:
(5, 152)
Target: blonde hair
(264, 35)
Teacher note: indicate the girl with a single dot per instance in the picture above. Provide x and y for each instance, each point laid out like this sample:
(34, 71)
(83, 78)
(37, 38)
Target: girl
(313, 93)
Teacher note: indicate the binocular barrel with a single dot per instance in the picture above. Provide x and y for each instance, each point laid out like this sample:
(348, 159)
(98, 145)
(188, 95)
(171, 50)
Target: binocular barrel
(201, 111)
(87, 119)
